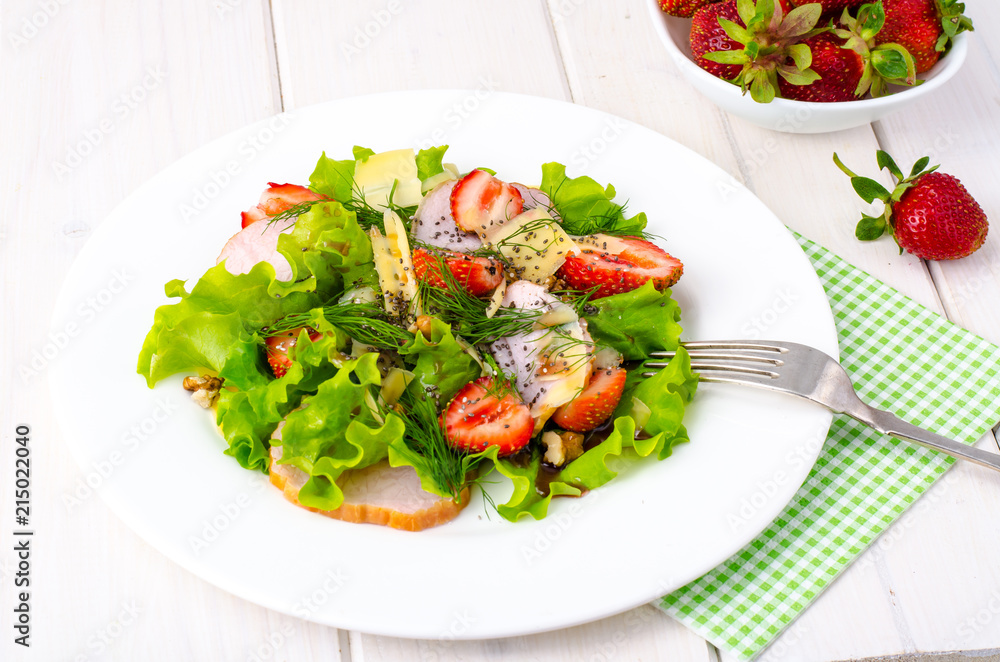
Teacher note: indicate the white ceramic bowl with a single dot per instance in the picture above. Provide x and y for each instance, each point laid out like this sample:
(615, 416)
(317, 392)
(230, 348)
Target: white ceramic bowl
(796, 116)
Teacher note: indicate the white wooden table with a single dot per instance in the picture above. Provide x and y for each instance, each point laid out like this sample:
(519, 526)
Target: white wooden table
(98, 96)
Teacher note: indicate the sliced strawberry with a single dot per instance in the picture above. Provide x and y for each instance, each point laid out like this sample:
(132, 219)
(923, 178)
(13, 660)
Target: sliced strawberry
(477, 418)
(479, 275)
(252, 215)
(277, 347)
(595, 404)
(276, 199)
(619, 264)
(479, 200)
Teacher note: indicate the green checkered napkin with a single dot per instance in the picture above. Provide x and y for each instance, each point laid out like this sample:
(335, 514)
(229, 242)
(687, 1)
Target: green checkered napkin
(902, 358)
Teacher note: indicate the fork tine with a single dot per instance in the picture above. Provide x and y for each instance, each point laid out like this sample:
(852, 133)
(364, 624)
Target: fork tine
(735, 354)
(703, 367)
(723, 356)
(701, 347)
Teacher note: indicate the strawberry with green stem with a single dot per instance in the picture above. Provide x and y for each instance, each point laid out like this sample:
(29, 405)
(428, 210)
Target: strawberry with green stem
(850, 63)
(925, 28)
(683, 8)
(831, 7)
(764, 45)
(929, 213)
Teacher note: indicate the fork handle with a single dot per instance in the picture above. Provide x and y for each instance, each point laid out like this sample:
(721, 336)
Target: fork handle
(889, 424)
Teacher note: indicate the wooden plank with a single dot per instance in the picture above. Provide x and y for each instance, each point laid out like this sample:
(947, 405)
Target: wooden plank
(110, 94)
(640, 634)
(334, 50)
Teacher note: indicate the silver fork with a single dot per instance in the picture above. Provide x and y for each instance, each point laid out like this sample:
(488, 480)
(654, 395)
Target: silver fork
(808, 373)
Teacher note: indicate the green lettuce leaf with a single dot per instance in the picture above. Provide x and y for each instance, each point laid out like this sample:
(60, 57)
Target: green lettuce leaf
(430, 162)
(635, 323)
(362, 153)
(334, 179)
(212, 326)
(247, 418)
(244, 431)
(326, 248)
(585, 206)
(440, 365)
(334, 431)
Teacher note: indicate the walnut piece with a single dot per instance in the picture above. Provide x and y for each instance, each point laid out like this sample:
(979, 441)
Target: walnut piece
(204, 389)
(562, 447)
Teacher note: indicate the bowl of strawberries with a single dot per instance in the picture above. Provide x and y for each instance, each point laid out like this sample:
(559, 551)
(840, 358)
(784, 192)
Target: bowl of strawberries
(803, 66)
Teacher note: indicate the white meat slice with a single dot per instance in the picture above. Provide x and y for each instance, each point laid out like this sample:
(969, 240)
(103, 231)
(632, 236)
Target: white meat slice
(378, 494)
(256, 243)
(434, 224)
(550, 365)
(535, 197)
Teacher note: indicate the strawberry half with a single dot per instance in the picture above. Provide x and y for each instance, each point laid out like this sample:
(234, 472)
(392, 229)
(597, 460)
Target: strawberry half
(595, 404)
(277, 347)
(619, 264)
(276, 199)
(481, 416)
(479, 200)
(478, 275)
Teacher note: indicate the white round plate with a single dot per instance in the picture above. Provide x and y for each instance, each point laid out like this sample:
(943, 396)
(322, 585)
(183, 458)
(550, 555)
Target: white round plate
(656, 527)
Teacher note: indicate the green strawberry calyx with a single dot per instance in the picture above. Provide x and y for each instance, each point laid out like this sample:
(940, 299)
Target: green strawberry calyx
(953, 21)
(885, 64)
(771, 46)
(873, 227)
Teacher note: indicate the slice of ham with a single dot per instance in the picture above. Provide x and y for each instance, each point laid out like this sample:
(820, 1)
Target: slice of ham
(379, 494)
(256, 243)
(434, 224)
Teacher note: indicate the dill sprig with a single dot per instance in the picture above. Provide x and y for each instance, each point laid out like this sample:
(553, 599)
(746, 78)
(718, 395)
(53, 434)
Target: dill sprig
(366, 323)
(289, 215)
(447, 467)
(369, 217)
(366, 215)
(467, 313)
(607, 223)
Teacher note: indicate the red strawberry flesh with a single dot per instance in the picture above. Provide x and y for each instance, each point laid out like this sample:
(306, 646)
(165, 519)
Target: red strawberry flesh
(276, 199)
(479, 200)
(614, 273)
(477, 418)
(595, 404)
(478, 275)
(278, 345)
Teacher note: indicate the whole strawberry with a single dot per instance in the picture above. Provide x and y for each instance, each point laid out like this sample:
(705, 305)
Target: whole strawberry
(831, 7)
(929, 214)
(752, 43)
(840, 71)
(683, 8)
(848, 62)
(708, 36)
(924, 27)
